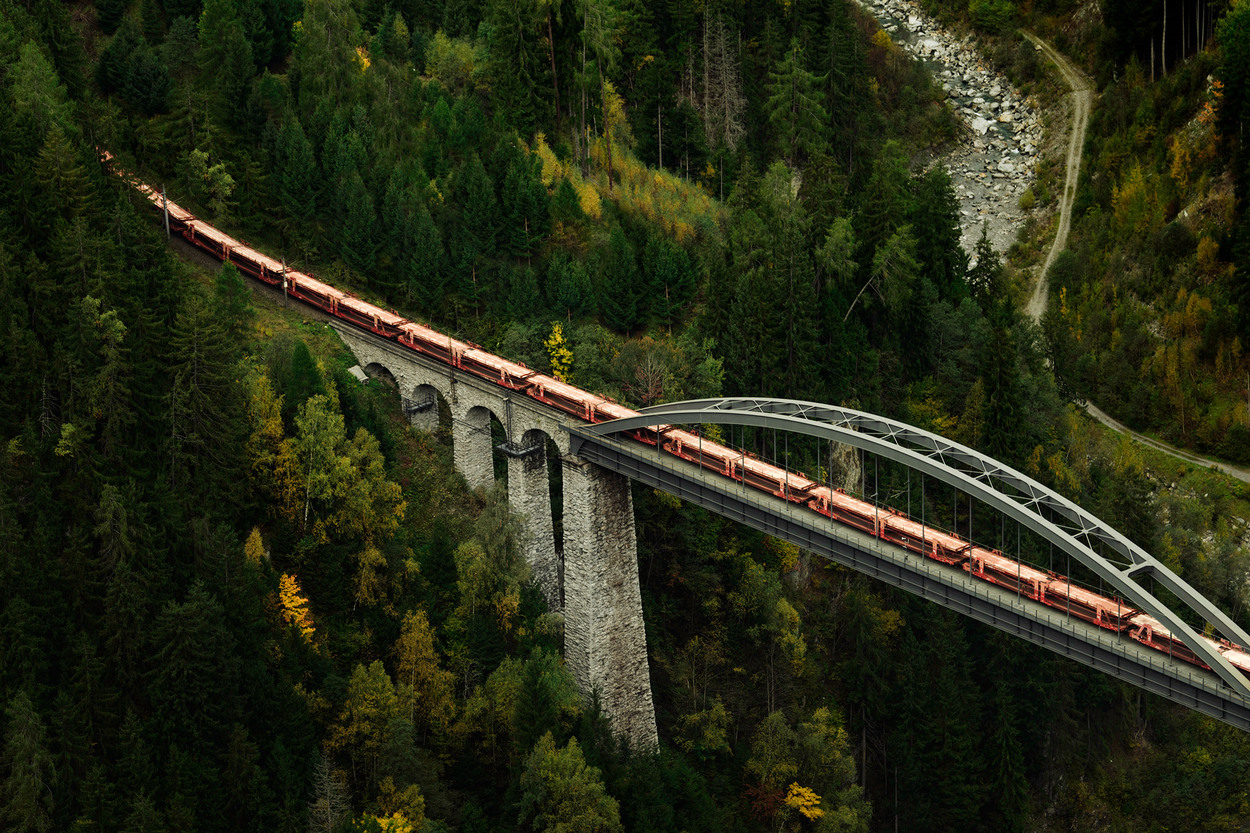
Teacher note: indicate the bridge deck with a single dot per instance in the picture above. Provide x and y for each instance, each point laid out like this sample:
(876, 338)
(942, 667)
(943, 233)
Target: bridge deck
(952, 588)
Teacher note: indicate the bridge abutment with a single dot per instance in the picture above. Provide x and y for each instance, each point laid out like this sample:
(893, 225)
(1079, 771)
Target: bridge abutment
(605, 642)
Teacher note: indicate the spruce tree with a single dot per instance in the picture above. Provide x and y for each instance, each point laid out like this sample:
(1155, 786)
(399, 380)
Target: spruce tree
(935, 224)
(359, 233)
(297, 176)
(621, 285)
(796, 110)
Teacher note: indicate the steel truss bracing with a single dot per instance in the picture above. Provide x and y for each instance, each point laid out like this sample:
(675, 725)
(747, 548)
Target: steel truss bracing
(1116, 560)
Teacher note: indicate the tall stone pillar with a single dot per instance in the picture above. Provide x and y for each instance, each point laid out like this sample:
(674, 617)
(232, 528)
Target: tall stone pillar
(471, 446)
(605, 643)
(529, 492)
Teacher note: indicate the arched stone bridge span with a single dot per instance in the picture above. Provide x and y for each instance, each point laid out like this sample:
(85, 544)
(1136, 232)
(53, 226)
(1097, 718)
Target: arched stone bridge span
(593, 579)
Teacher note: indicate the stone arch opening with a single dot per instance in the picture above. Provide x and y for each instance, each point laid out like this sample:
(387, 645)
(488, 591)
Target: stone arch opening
(374, 370)
(427, 410)
(476, 435)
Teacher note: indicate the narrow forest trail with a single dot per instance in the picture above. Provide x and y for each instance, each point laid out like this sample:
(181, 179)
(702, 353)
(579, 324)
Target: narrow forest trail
(1082, 102)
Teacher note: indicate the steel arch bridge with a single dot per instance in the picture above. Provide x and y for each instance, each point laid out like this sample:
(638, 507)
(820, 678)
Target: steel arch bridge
(1223, 692)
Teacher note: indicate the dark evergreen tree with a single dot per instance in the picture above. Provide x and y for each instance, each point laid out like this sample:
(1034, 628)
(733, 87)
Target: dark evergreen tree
(569, 287)
(621, 284)
(110, 13)
(359, 233)
(148, 84)
(526, 219)
(475, 233)
(934, 219)
(297, 176)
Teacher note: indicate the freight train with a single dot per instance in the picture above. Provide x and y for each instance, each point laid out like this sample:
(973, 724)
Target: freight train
(1044, 587)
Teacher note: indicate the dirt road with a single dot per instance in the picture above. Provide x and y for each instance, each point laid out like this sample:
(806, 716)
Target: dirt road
(1082, 101)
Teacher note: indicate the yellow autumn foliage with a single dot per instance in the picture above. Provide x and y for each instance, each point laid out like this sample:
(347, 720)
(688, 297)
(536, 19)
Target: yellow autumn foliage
(295, 610)
(805, 800)
(561, 356)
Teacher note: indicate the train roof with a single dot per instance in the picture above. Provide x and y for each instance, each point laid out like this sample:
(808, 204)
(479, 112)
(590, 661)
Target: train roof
(258, 258)
(372, 310)
(1009, 565)
(315, 285)
(918, 530)
(1236, 657)
(1089, 598)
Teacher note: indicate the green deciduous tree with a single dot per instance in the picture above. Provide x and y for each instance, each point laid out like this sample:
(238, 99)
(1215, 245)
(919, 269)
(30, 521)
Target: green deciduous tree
(422, 685)
(561, 794)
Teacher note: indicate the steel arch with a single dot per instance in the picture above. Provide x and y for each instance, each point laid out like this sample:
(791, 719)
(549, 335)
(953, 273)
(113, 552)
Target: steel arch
(1011, 492)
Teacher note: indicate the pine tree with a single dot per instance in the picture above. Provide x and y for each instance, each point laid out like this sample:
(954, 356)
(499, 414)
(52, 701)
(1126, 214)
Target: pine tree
(148, 84)
(226, 60)
(477, 227)
(27, 790)
(359, 240)
(110, 13)
(795, 108)
(234, 302)
(518, 61)
(525, 206)
(569, 287)
(621, 287)
(934, 219)
(297, 175)
(885, 200)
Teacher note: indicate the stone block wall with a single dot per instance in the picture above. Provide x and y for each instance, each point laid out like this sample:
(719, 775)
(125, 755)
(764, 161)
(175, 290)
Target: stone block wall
(605, 642)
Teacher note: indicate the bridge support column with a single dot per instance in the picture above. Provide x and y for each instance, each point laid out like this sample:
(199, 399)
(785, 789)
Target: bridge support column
(471, 446)
(529, 492)
(605, 642)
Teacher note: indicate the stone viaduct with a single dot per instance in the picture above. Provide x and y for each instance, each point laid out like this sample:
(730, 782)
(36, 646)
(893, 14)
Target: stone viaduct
(593, 578)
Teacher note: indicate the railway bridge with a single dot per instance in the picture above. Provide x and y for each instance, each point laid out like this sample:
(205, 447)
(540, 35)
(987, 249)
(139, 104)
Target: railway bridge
(1144, 624)
(594, 579)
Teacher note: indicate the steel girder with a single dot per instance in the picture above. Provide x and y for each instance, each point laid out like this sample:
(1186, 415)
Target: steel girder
(1021, 498)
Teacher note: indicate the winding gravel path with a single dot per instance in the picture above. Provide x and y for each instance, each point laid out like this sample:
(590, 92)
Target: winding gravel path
(1082, 101)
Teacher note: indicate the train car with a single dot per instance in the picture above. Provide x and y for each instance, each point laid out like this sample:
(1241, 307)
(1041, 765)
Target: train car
(1152, 633)
(1105, 612)
(315, 292)
(432, 343)
(841, 507)
(563, 396)
(923, 540)
(996, 568)
(372, 318)
(1236, 657)
(259, 266)
(492, 368)
(707, 454)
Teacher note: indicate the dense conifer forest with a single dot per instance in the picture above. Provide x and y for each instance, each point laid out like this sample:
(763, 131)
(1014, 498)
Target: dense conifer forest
(238, 592)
